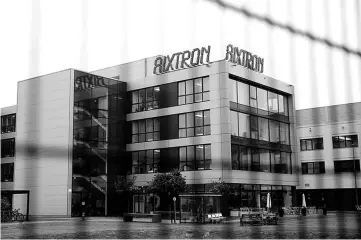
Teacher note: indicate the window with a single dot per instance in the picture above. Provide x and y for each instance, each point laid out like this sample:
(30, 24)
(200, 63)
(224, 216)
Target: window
(145, 130)
(194, 90)
(194, 124)
(146, 161)
(313, 168)
(195, 157)
(347, 166)
(7, 172)
(272, 102)
(263, 129)
(243, 93)
(262, 99)
(345, 141)
(8, 123)
(311, 144)
(145, 99)
(253, 96)
(8, 147)
(274, 128)
(282, 103)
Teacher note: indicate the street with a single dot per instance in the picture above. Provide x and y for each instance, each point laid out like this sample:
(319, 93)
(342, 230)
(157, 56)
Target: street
(334, 225)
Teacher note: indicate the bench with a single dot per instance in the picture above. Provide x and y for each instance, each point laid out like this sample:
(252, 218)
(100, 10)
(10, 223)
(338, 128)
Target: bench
(251, 218)
(129, 217)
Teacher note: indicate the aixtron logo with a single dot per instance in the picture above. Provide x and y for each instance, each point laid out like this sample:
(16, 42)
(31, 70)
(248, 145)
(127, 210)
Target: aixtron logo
(88, 81)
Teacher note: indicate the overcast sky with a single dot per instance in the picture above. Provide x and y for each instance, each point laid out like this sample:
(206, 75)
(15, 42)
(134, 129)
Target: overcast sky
(40, 37)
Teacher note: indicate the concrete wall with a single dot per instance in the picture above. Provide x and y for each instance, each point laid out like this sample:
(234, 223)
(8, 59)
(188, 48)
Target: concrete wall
(42, 143)
(327, 122)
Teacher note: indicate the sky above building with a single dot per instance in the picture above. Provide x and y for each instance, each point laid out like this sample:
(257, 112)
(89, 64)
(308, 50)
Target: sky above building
(313, 45)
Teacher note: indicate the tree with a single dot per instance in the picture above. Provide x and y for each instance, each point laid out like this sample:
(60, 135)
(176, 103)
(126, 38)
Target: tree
(220, 187)
(5, 204)
(172, 182)
(122, 185)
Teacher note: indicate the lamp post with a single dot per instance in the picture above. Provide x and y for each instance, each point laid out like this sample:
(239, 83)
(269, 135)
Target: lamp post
(354, 169)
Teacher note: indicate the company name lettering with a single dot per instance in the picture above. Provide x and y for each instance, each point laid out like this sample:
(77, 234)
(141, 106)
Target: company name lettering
(85, 82)
(244, 58)
(182, 60)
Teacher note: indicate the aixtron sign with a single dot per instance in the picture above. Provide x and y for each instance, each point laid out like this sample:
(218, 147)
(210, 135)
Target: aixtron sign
(88, 81)
(244, 58)
(182, 60)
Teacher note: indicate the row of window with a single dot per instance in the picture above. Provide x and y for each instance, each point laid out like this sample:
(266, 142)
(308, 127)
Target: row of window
(337, 142)
(7, 172)
(191, 158)
(189, 91)
(249, 126)
(259, 98)
(8, 147)
(263, 160)
(189, 125)
(8, 123)
(339, 166)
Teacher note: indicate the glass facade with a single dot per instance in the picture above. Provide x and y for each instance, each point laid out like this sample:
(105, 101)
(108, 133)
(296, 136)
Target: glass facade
(194, 124)
(98, 139)
(345, 141)
(145, 99)
(8, 123)
(145, 130)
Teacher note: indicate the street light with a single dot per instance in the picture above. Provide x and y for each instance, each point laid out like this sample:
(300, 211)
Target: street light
(354, 169)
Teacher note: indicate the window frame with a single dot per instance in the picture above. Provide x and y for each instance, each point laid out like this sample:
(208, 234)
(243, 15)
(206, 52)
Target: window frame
(146, 102)
(303, 142)
(155, 164)
(11, 150)
(351, 170)
(193, 163)
(146, 132)
(338, 141)
(7, 172)
(305, 169)
(204, 92)
(5, 127)
(186, 129)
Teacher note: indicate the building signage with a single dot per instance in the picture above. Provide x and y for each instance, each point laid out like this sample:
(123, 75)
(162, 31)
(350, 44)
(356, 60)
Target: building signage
(180, 60)
(88, 81)
(244, 58)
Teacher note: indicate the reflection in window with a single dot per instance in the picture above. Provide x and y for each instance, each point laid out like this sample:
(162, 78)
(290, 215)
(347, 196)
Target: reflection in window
(347, 166)
(263, 129)
(285, 133)
(272, 102)
(145, 130)
(195, 157)
(274, 128)
(262, 99)
(253, 96)
(194, 124)
(264, 160)
(194, 90)
(145, 99)
(254, 127)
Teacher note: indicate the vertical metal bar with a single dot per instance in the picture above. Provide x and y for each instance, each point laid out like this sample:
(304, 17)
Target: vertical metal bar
(27, 206)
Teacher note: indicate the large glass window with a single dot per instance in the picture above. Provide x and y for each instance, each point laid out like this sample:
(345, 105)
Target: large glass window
(235, 157)
(233, 90)
(146, 161)
(194, 124)
(274, 128)
(7, 172)
(145, 130)
(282, 103)
(313, 168)
(194, 90)
(255, 164)
(311, 144)
(244, 125)
(145, 99)
(347, 166)
(284, 133)
(264, 156)
(243, 93)
(195, 157)
(253, 96)
(272, 102)
(345, 141)
(8, 147)
(263, 129)
(254, 127)
(262, 99)
(8, 123)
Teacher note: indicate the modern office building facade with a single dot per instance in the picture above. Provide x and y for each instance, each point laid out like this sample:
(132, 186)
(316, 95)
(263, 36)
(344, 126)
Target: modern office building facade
(76, 131)
(329, 155)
